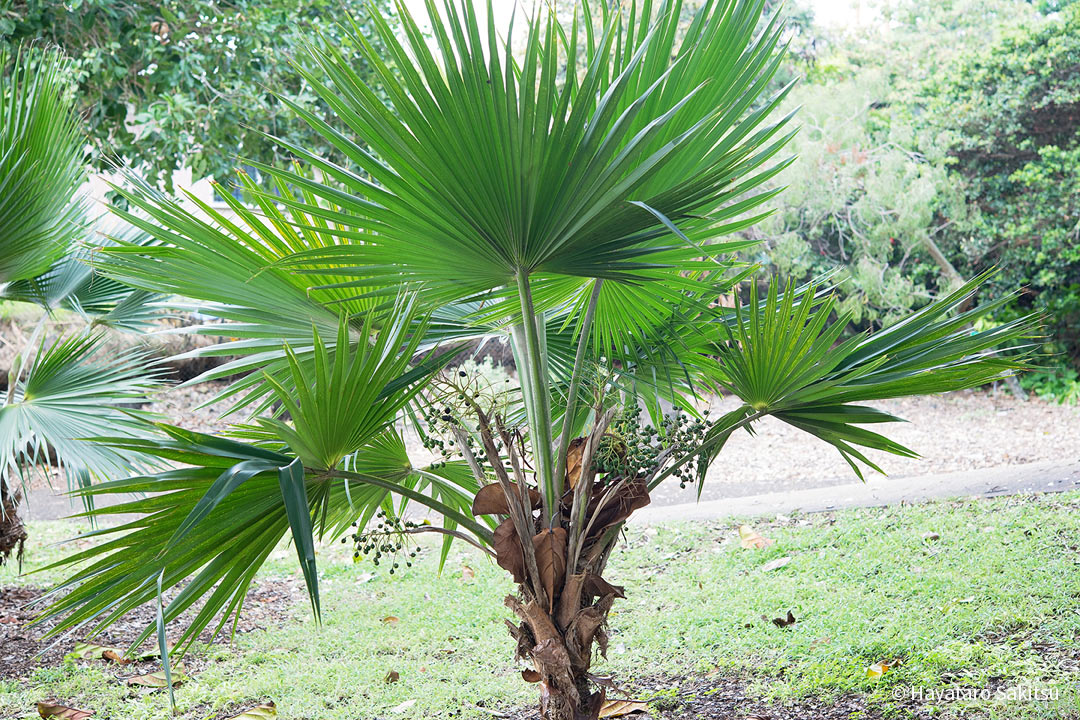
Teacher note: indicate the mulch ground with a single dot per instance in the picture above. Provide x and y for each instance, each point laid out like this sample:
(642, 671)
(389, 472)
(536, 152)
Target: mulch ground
(24, 649)
(725, 697)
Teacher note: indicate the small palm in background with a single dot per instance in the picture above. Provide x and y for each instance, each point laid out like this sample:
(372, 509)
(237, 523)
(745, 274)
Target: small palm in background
(58, 389)
(572, 199)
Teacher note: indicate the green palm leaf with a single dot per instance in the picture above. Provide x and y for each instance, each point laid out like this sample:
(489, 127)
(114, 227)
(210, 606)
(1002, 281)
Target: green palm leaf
(41, 164)
(784, 356)
(546, 173)
(64, 392)
(217, 518)
(72, 284)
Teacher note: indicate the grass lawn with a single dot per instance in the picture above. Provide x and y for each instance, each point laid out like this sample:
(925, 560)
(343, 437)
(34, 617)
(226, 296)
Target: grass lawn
(965, 595)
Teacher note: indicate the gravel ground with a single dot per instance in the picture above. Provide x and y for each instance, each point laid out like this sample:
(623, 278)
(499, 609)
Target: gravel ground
(959, 431)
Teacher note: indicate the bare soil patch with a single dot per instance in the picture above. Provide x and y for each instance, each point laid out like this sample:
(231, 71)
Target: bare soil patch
(726, 697)
(24, 649)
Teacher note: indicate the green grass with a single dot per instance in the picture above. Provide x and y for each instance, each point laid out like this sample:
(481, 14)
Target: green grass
(992, 603)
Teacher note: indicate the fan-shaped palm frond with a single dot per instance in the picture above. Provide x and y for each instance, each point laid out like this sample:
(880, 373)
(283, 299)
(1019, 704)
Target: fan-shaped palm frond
(218, 518)
(584, 172)
(223, 268)
(41, 165)
(71, 283)
(62, 393)
(784, 356)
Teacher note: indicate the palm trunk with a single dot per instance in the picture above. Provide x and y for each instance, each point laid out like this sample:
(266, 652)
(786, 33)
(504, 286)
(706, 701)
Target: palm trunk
(557, 557)
(560, 647)
(12, 530)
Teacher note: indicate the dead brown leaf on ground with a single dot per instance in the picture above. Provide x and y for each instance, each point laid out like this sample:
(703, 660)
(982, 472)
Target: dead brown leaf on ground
(51, 710)
(619, 708)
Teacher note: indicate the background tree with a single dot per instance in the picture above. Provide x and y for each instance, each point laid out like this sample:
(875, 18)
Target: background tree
(167, 84)
(578, 212)
(1008, 115)
(937, 145)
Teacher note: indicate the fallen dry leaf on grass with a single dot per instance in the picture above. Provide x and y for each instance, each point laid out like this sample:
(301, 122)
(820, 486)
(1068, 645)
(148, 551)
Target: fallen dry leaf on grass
(467, 573)
(391, 677)
(880, 668)
(390, 620)
(750, 539)
(90, 651)
(404, 706)
(775, 564)
(49, 710)
(618, 708)
(116, 656)
(259, 712)
(157, 679)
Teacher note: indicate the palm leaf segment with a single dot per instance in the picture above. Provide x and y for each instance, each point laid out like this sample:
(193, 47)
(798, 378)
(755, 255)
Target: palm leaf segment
(784, 357)
(40, 165)
(483, 171)
(71, 283)
(218, 517)
(223, 266)
(63, 393)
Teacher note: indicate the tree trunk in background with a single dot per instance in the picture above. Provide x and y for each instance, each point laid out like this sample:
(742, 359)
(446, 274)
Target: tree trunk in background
(953, 275)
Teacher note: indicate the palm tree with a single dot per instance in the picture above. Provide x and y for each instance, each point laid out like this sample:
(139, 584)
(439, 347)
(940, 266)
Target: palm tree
(61, 390)
(570, 196)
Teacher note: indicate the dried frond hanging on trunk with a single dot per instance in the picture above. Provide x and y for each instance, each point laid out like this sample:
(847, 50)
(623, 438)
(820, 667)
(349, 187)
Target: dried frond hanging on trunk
(12, 530)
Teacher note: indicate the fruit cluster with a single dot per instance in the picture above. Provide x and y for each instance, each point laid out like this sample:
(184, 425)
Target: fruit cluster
(390, 537)
(629, 450)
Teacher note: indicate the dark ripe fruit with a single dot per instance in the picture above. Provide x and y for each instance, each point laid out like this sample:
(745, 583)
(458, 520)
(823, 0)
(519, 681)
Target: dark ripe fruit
(462, 373)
